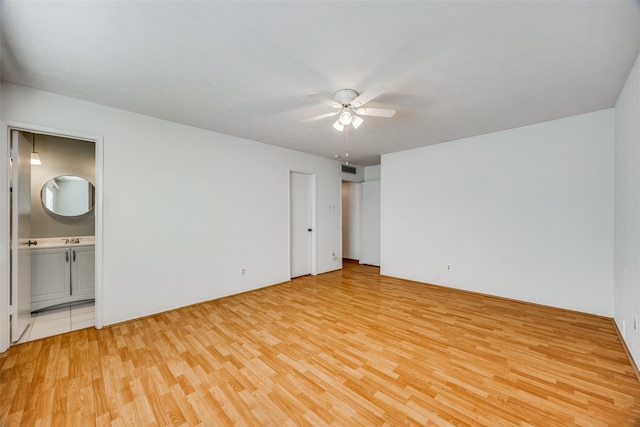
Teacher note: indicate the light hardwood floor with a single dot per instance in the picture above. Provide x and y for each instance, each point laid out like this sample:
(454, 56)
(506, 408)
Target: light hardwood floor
(343, 348)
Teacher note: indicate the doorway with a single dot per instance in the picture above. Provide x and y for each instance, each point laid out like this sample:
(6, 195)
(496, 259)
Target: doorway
(302, 223)
(55, 149)
(361, 222)
(351, 229)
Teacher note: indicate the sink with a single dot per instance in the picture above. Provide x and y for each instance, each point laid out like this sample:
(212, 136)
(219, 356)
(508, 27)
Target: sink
(61, 242)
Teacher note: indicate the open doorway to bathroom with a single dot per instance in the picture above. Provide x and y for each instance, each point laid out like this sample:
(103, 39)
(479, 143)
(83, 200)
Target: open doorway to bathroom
(60, 253)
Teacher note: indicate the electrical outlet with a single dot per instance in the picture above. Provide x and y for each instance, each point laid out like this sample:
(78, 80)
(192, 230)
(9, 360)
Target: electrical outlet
(243, 271)
(448, 267)
(333, 256)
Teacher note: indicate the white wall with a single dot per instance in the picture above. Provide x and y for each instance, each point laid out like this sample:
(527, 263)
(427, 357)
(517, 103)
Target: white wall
(184, 208)
(627, 211)
(351, 201)
(370, 217)
(370, 236)
(372, 173)
(525, 213)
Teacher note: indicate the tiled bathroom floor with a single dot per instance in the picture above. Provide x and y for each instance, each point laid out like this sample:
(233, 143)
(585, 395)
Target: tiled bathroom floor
(59, 321)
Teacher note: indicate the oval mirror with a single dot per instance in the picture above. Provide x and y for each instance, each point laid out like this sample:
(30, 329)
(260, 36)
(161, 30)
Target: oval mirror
(68, 195)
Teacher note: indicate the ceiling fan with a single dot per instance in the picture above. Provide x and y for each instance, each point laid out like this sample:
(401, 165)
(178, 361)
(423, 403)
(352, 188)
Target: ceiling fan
(349, 106)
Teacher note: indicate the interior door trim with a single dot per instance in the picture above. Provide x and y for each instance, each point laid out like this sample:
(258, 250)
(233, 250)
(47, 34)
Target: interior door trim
(5, 129)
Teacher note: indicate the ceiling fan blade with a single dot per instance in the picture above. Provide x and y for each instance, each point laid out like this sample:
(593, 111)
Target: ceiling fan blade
(368, 95)
(324, 100)
(321, 116)
(376, 112)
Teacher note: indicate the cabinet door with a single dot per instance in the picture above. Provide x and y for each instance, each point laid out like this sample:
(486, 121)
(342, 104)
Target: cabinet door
(50, 277)
(83, 272)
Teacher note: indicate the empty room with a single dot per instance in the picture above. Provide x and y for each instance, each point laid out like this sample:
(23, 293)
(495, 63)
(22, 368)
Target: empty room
(322, 213)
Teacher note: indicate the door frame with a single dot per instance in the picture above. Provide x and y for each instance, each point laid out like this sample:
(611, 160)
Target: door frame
(5, 278)
(314, 220)
(20, 197)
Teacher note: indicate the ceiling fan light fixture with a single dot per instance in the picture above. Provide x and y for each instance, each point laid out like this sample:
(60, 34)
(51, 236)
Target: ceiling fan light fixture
(348, 106)
(345, 117)
(356, 121)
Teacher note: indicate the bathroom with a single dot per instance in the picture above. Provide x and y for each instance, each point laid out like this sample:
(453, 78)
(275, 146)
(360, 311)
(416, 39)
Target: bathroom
(61, 246)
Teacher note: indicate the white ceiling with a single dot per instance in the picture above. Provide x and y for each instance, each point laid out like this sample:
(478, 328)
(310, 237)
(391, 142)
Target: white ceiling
(452, 68)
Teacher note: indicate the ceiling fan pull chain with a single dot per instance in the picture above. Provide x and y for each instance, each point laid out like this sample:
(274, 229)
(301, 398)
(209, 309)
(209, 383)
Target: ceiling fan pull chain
(346, 145)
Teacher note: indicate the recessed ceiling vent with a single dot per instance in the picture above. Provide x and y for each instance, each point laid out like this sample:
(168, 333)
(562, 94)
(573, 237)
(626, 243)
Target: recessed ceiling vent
(349, 169)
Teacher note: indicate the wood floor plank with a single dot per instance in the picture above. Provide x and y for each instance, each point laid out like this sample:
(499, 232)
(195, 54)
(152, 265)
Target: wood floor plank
(349, 347)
